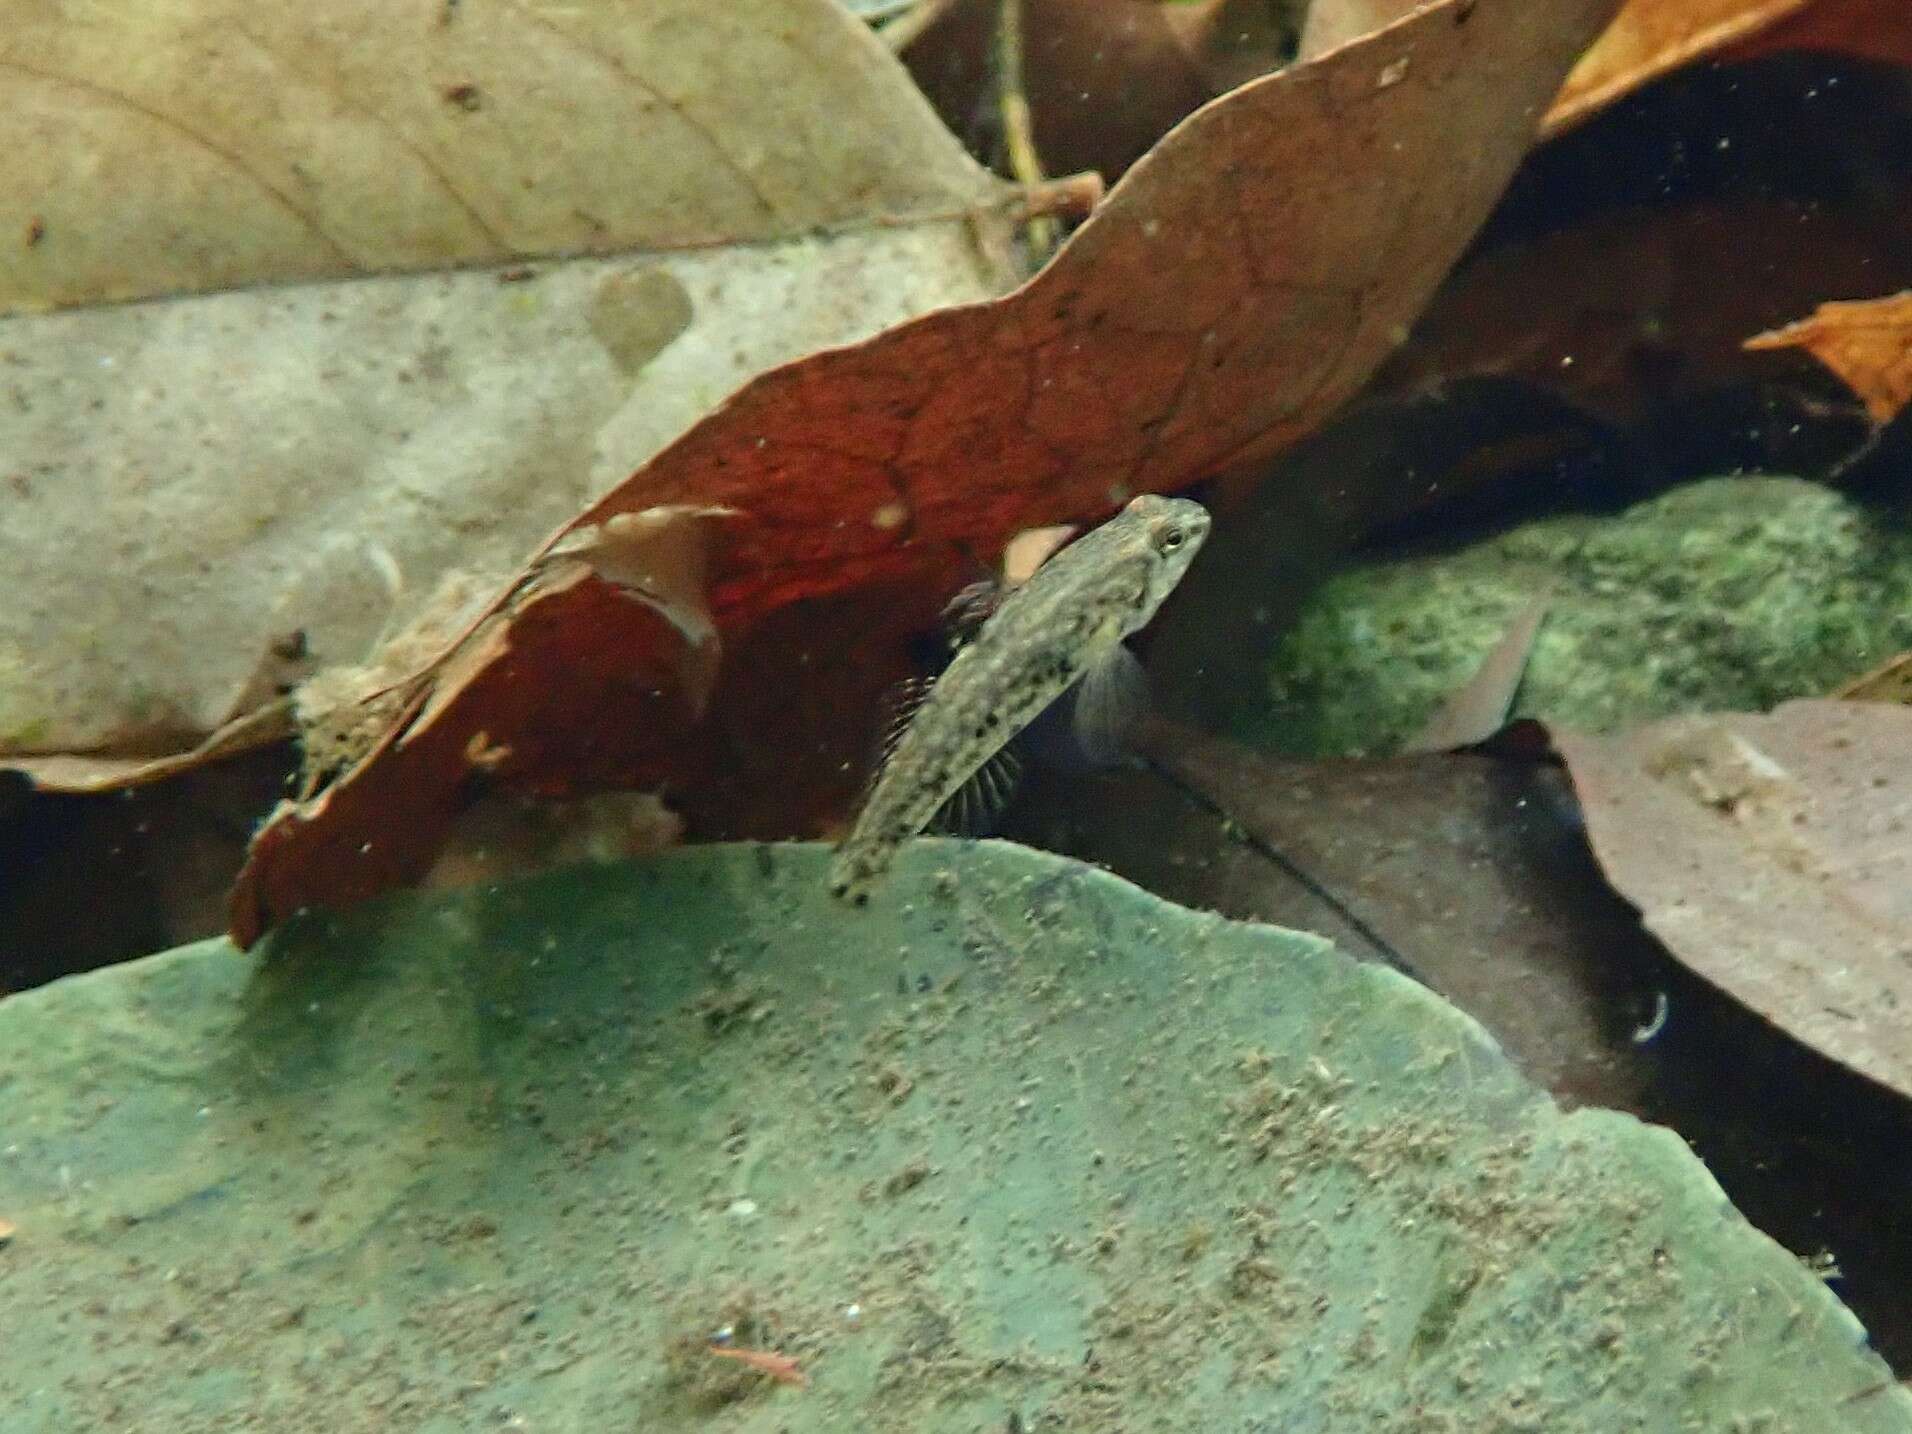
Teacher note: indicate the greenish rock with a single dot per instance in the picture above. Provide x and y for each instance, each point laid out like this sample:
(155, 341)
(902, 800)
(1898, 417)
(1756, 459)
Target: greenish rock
(1017, 1140)
(1729, 594)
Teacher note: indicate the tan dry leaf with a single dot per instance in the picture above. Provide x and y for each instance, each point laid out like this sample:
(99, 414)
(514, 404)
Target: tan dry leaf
(362, 137)
(446, 285)
(1651, 38)
(1030, 549)
(1873, 30)
(1478, 708)
(78, 772)
(661, 556)
(1236, 286)
(1866, 342)
(1890, 681)
(1770, 854)
(1339, 22)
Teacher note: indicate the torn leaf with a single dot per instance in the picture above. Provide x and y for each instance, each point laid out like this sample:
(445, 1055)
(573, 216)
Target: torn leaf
(661, 557)
(1866, 342)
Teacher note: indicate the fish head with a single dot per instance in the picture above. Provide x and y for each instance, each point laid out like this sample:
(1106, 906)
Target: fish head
(1168, 532)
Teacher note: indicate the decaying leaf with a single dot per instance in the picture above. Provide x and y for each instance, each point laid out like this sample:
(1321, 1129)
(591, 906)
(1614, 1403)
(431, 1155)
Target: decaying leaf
(502, 837)
(78, 772)
(1105, 79)
(661, 556)
(1336, 22)
(1867, 342)
(394, 296)
(346, 710)
(1479, 707)
(1030, 549)
(1770, 854)
(1859, 29)
(1651, 38)
(1231, 291)
(1890, 681)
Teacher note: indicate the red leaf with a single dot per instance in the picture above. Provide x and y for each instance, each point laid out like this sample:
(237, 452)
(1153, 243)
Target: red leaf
(1242, 281)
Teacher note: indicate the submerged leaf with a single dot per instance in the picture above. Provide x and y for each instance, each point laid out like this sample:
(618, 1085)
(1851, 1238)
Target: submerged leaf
(1890, 681)
(1231, 292)
(1867, 342)
(661, 556)
(395, 296)
(1651, 38)
(1479, 707)
(1030, 549)
(1770, 854)
(1269, 1188)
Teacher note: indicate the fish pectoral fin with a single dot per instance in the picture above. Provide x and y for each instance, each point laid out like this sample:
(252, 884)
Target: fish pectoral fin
(964, 615)
(973, 808)
(1110, 703)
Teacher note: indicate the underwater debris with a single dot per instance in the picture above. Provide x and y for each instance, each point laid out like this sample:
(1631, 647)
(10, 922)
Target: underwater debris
(780, 1367)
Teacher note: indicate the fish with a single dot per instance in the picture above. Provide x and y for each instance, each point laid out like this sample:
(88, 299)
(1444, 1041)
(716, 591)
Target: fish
(1064, 625)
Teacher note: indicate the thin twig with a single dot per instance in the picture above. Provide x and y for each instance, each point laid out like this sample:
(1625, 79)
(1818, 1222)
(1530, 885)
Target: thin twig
(1018, 127)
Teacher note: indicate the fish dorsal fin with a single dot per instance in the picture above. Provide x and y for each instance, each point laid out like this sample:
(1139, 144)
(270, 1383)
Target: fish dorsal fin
(972, 808)
(901, 702)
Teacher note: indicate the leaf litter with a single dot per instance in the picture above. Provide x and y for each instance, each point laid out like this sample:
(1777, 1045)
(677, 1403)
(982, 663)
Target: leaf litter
(1769, 853)
(658, 635)
(461, 311)
(1171, 341)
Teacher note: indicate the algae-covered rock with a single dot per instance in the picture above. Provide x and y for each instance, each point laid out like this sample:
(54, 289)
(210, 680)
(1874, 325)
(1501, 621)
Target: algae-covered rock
(1018, 1146)
(1729, 594)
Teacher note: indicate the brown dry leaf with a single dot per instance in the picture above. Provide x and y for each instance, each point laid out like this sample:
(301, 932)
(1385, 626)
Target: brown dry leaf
(1105, 79)
(276, 357)
(82, 773)
(1770, 854)
(1337, 22)
(1479, 707)
(661, 556)
(1651, 38)
(1890, 681)
(1860, 29)
(1230, 293)
(1630, 314)
(1867, 342)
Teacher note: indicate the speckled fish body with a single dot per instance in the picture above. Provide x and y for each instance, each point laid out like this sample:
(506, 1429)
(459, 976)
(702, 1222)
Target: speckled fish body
(1070, 616)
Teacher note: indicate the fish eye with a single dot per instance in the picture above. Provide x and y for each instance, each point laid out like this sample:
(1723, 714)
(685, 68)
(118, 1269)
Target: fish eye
(1172, 539)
